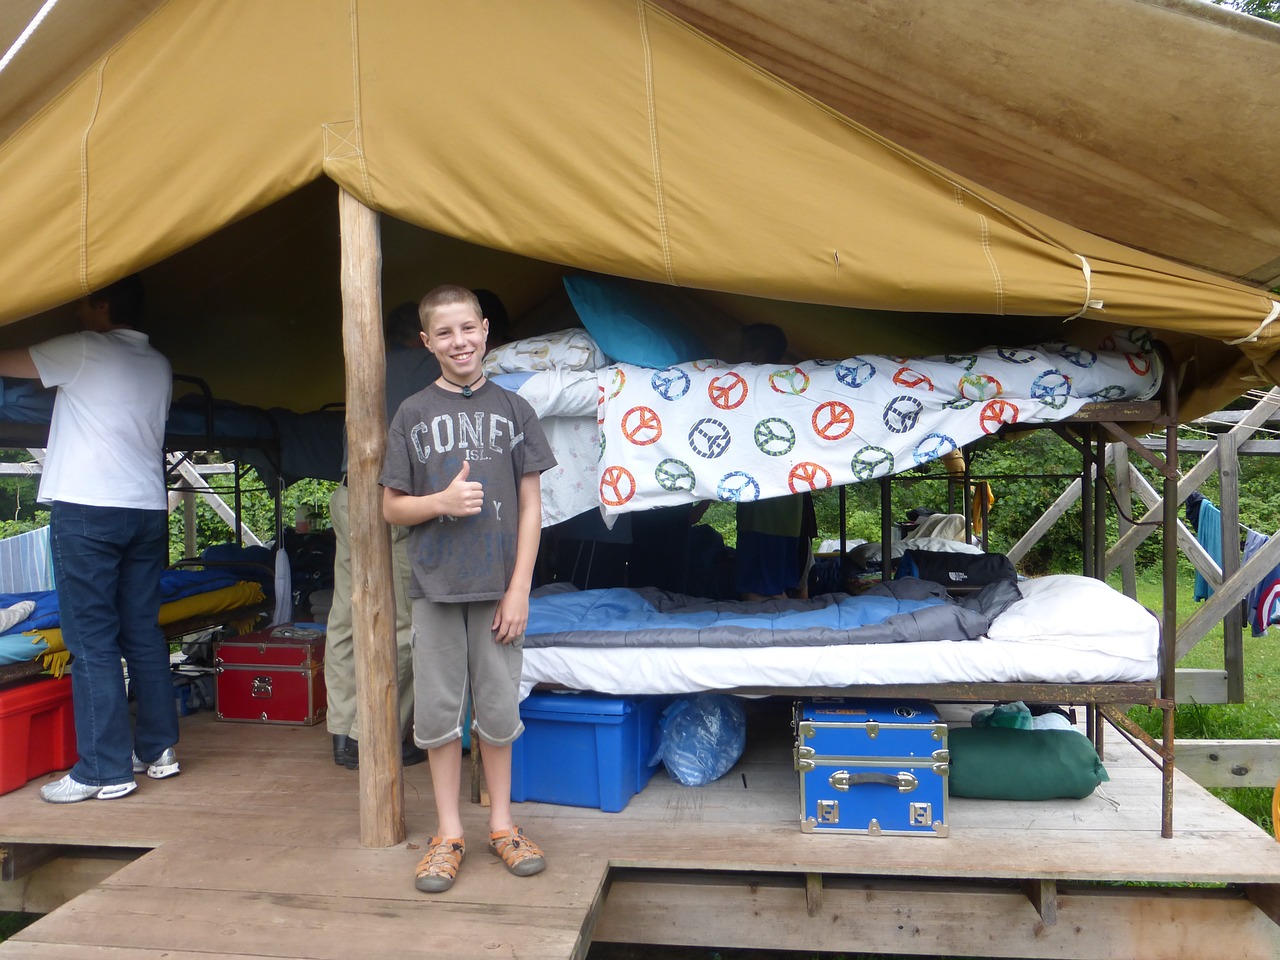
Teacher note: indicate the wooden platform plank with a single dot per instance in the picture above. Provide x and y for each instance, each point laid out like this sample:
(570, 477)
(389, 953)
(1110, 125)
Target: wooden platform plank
(308, 926)
(571, 880)
(260, 836)
(929, 919)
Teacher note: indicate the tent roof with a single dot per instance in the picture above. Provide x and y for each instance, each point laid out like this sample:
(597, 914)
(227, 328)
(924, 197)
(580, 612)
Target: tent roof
(509, 142)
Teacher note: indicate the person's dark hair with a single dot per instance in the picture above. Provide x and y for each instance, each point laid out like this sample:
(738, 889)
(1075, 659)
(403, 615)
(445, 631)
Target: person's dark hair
(493, 310)
(401, 325)
(764, 342)
(125, 299)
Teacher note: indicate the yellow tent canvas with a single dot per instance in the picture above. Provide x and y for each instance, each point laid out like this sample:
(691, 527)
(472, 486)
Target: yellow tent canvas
(511, 142)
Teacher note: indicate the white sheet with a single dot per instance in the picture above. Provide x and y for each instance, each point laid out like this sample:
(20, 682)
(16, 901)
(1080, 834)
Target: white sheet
(1043, 654)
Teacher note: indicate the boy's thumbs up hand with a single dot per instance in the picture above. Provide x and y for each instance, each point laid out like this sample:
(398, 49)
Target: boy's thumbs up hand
(463, 497)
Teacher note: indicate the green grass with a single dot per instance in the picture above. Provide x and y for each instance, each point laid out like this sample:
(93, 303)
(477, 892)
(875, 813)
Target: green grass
(1257, 718)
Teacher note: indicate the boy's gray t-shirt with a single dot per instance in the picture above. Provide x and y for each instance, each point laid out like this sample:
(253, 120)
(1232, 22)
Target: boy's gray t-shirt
(459, 559)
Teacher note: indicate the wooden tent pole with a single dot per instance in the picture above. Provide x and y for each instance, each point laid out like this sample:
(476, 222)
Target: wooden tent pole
(373, 615)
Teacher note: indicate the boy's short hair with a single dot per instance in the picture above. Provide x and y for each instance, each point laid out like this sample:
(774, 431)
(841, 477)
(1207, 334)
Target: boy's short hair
(442, 296)
(124, 298)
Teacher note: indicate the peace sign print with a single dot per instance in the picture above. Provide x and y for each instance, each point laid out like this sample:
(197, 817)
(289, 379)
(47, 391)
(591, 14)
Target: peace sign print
(808, 476)
(617, 486)
(1052, 389)
(600, 406)
(1010, 355)
(793, 381)
(1139, 363)
(979, 387)
(727, 391)
(1113, 392)
(709, 438)
(642, 426)
(933, 446)
(832, 420)
(871, 462)
(674, 475)
(967, 360)
(671, 383)
(775, 437)
(855, 372)
(996, 414)
(901, 414)
(701, 365)
(738, 487)
(1078, 356)
(912, 379)
(617, 380)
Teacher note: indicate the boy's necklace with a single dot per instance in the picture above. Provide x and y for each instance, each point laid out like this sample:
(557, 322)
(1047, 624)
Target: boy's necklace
(464, 387)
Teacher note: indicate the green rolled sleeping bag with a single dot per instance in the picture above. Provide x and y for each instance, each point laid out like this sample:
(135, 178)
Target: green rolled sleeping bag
(998, 763)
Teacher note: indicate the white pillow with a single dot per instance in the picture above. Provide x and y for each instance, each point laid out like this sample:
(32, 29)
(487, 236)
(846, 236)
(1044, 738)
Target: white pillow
(572, 349)
(1074, 611)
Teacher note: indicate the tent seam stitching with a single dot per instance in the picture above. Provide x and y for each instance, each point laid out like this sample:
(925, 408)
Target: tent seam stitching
(655, 151)
(991, 261)
(84, 179)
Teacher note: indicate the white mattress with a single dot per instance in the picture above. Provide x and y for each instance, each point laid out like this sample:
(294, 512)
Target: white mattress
(1066, 630)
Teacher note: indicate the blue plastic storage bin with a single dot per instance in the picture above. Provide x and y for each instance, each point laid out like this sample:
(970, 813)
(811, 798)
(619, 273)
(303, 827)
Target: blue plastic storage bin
(585, 749)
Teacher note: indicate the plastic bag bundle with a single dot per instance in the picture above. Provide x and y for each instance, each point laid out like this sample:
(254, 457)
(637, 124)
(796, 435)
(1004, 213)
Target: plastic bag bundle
(702, 737)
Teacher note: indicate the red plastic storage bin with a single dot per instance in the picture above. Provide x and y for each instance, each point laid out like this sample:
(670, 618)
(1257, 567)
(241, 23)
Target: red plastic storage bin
(37, 731)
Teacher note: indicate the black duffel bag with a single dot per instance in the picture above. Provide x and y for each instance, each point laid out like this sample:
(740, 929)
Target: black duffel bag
(956, 569)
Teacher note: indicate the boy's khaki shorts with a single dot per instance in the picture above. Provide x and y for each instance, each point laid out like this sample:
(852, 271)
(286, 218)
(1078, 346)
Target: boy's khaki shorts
(454, 653)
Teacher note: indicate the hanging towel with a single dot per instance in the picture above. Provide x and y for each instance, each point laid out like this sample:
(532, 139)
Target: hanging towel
(1209, 533)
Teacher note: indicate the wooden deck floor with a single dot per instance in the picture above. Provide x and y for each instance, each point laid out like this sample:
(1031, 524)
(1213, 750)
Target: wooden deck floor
(254, 852)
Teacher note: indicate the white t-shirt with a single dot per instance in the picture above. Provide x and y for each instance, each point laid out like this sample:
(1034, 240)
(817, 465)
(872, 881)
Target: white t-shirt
(106, 440)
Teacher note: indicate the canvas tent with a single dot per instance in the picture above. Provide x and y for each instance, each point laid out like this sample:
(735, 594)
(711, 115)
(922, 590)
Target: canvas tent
(513, 141)
(504, 143)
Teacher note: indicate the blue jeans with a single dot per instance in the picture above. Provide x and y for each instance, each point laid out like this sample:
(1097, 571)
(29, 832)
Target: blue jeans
(107, 563)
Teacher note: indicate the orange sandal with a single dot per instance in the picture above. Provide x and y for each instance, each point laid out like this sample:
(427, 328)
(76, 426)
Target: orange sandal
(521, 855)
(439, 865)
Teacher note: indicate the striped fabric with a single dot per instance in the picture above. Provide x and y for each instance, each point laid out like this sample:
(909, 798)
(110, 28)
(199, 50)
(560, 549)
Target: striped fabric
(26, 562)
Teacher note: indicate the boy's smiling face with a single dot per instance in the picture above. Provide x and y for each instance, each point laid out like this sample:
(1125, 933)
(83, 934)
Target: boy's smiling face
(456, 335)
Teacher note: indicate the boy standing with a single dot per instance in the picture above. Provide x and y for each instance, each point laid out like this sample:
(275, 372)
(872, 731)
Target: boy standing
(462, 468)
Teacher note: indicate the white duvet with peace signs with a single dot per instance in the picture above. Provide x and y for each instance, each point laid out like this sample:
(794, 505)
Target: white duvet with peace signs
(734, 432)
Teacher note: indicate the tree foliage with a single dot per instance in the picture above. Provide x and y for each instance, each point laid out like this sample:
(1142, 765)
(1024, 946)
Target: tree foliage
(1263, 9)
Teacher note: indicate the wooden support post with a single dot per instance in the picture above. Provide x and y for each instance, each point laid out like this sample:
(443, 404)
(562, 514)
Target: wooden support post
(1266, 897)
(1233, 622)
(373, 613)
(1043, 895)
(813, 893)
(19, 859)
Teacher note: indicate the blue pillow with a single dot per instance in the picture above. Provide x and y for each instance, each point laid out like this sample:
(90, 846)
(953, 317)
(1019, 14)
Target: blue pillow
(629, 326)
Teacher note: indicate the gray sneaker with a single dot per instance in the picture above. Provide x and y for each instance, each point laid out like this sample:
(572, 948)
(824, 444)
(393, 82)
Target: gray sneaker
(70, 790)
(165, 765)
